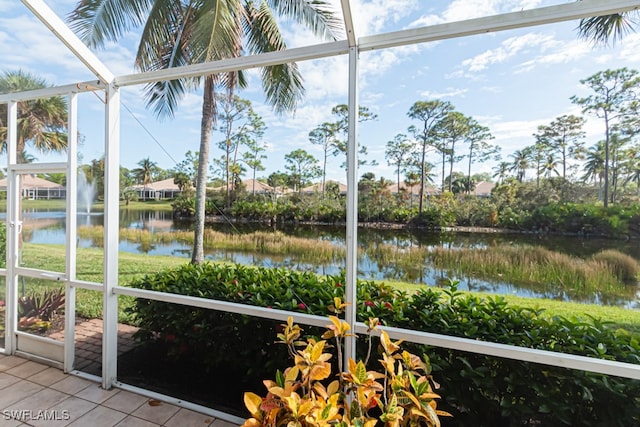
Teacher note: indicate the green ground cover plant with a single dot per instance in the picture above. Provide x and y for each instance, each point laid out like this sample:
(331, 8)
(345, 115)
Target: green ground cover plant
(477, 389)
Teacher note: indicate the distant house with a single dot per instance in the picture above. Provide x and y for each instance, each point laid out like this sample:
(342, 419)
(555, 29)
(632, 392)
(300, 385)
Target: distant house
(414, 190)
(257, 187)
(34, 188)
(483, 188)
(249, 186)
(317, 188)
(159, 190)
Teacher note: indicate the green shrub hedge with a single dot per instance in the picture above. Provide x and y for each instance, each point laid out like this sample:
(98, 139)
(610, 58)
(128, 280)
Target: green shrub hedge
(479, 390)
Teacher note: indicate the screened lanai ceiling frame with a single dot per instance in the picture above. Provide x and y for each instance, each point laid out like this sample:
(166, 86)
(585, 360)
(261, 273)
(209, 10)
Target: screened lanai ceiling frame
(351, 46)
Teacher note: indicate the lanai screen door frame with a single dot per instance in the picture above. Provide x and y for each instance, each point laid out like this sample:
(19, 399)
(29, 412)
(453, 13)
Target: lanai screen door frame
(352, 46)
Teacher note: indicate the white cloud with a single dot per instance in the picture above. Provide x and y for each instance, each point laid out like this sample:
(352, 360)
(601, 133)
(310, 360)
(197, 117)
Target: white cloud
(460, 10)
(449, 92)
(508, 49)
(562, 54)
(374, 16)
(631, 48)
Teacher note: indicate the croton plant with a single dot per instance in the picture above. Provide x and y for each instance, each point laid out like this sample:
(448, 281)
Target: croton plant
(401, 393)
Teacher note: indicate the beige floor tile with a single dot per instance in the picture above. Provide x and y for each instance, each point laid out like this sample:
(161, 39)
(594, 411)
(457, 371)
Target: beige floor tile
(40, 401)
(8, 362)
(99, 416)
(6, 380)
(125, 401)
(48, 376)
(7, 421)
(27, 369)
(132, 421)
(71, 384)
(96, 394)
(71, 409)
(18, 391)
(187, 418)
(155, 411)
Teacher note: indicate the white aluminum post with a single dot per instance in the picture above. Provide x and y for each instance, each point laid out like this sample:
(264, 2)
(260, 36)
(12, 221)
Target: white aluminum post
(72, 223)
(111, 224)
(13, 229)
(352, 206)
(57, 26)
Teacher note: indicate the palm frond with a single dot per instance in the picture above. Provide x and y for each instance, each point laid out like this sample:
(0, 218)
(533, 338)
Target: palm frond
(282, 83)
(607, 29)
(217, 30)
(163, 96)
(164, 41)
(283, 87)
(317, 15)
(98, 21)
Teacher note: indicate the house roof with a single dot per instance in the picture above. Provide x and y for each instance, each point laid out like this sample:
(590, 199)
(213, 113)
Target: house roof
(164, 185)
(31, 181)
(415, 189)
(483, 188)
(260, 187)
(317, 188)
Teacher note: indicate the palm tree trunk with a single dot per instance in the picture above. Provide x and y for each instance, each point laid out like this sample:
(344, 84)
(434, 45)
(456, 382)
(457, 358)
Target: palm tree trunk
(208, 109)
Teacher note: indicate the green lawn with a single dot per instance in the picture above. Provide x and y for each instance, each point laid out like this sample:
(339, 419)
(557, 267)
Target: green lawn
(90, 264)
(60, 204)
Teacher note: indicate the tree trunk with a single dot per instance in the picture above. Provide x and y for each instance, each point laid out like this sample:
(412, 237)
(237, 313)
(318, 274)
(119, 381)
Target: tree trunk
(208, 109)
(606, 161)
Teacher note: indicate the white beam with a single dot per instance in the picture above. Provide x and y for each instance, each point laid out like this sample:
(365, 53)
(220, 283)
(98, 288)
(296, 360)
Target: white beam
(28, 168)
(66, 36)
(545, 357)
(526, 18)
(348, 22)
(89, 86)
(241, 63)
(71, 234)
(351, 273)
(229, 307)
(111, 239)
(13, 226)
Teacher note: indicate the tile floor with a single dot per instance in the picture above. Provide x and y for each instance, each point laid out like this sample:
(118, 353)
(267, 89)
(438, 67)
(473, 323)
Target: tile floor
(33, 394)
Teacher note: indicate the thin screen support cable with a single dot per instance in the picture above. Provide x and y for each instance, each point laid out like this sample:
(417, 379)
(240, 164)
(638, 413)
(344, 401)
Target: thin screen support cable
(172, 159)
(150, 134)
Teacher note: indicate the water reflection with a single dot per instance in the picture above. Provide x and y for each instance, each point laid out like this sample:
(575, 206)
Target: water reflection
(49, 227)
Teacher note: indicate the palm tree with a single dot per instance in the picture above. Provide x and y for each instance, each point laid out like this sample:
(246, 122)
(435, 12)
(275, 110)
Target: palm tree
(608, 28)
(177, 33)
(145, 173)
(520, 163)
(502, 171)
(42, 123)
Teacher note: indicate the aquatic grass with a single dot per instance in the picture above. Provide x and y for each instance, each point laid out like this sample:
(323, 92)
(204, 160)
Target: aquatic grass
(534, 267)
(625, 267)
(527, 266)
(131, 266)
(263, 242)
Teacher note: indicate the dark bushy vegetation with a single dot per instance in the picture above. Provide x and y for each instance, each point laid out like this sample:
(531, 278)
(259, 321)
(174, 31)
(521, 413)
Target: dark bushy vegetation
(479, 390)
(548, 208)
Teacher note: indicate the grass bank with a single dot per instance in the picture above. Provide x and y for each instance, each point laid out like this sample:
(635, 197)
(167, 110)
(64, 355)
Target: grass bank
(89, 267)
(60, 204)
(532, 267)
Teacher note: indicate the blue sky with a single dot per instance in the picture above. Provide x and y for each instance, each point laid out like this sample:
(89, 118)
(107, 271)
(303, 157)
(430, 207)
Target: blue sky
(511, 82)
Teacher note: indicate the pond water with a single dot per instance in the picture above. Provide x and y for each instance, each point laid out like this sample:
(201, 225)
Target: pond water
(43, 226)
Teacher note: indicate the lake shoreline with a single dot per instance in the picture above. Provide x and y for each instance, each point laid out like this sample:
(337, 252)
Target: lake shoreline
(218, 219)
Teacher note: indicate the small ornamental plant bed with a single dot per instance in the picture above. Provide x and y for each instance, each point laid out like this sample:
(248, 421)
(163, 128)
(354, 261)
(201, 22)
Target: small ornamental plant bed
(477, 390)
(402, 394)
